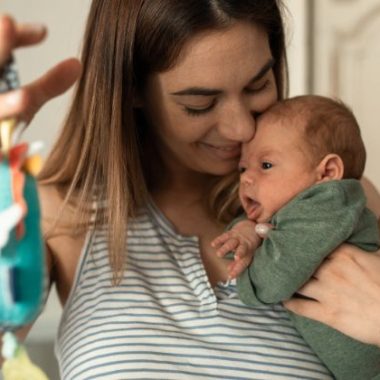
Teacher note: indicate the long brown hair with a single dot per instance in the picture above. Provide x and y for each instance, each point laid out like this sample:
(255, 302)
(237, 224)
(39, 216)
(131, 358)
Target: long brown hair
(99, 152)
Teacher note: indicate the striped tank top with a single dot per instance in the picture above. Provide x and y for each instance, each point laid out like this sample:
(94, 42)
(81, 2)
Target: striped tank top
(165, 321)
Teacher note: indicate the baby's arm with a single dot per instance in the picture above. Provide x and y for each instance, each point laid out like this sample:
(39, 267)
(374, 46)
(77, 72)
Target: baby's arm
(242, 240)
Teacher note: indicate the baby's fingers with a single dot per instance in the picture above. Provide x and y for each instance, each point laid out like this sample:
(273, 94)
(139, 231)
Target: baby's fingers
(242, 251)
(237, 267)
(228, 246)
(221, 239)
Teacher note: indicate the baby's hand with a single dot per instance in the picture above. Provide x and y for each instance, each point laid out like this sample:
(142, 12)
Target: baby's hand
(243, 241)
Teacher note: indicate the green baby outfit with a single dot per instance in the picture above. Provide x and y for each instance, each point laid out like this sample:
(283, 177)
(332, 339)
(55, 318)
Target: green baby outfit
(306, 231)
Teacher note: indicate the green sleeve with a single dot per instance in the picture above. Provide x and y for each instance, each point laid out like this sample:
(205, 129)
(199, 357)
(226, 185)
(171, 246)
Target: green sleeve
(305, 231)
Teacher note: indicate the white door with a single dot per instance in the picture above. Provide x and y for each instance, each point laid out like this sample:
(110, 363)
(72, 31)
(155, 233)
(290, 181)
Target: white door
(346, 64)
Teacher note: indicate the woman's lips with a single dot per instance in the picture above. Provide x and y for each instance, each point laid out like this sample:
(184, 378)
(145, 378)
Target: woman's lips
(226, 152)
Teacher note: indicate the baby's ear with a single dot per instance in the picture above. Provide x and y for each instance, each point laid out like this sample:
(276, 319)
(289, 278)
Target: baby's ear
(331, 167)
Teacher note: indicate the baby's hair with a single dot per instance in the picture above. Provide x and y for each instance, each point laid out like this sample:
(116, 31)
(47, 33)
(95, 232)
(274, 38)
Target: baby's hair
(329, 127)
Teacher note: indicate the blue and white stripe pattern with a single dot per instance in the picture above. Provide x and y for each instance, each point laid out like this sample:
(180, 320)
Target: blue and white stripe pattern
(164, 321)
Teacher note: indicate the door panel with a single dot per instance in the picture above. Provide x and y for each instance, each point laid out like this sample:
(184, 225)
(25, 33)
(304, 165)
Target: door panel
(346, 64)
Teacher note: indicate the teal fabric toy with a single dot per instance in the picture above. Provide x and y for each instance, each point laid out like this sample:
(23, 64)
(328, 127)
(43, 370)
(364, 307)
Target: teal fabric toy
(22, 256)
(22, 259)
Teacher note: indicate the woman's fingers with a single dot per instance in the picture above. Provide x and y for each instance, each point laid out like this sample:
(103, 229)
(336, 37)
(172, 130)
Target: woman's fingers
(306, 308)
(312, 289)
(345, 294)
(53, 83)
(26, 101)
(29, 34)
(14, 35)
(7, 38)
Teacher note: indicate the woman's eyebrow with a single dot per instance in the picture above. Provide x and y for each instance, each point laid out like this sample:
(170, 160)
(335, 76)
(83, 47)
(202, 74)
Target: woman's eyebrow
(202, 91)
(198, 91)
(268, 66)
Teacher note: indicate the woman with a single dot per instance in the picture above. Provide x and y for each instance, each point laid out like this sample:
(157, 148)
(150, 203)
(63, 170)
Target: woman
(169, 92)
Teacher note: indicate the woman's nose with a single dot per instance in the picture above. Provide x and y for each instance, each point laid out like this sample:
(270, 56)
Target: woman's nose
(238, 125)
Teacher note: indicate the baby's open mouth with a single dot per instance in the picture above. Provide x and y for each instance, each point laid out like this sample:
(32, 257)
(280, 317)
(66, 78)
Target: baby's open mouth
(251, 207)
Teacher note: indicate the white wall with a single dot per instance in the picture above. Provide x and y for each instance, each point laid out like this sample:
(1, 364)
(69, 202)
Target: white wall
(296, 25)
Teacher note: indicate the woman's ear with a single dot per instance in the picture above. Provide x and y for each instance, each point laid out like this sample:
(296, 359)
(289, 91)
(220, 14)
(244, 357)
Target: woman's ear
(331, 167)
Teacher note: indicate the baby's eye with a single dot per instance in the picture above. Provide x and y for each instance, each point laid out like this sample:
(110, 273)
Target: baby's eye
(266, 165)
(241, 169)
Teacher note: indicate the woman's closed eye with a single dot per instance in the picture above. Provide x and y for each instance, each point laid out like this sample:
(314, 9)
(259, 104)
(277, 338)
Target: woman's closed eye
(199, 110)
(253, 89)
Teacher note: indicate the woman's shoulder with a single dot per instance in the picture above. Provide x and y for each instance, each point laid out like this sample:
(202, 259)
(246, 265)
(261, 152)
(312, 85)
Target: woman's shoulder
(51, 201)
(57, 215)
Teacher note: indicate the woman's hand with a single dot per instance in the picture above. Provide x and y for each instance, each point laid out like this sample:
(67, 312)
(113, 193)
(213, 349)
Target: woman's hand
(26, 101)
(346, 294)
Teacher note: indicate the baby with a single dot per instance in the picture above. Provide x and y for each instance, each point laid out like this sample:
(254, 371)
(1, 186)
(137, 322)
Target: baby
(300, 175)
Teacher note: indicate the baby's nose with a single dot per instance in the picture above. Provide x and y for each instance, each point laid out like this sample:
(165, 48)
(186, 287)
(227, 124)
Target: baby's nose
(246, 178)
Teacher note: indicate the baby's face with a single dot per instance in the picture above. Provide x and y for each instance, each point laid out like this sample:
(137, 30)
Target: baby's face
(274, 168)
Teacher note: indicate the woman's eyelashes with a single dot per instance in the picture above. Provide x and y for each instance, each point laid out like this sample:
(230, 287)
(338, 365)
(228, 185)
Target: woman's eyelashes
(259, 87)
(197, 111)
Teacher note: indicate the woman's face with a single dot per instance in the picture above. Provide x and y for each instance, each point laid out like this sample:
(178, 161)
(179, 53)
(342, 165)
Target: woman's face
(204, 108)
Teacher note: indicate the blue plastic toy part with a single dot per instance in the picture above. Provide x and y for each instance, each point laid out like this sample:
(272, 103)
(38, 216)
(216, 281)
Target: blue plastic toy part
(22, 262)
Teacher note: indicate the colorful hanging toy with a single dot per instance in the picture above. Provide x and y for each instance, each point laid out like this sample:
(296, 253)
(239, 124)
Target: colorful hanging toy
(22, 256)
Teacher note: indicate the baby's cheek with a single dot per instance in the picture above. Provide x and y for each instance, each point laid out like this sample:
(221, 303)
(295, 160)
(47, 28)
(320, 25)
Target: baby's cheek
(271, 207)
(242, 197)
